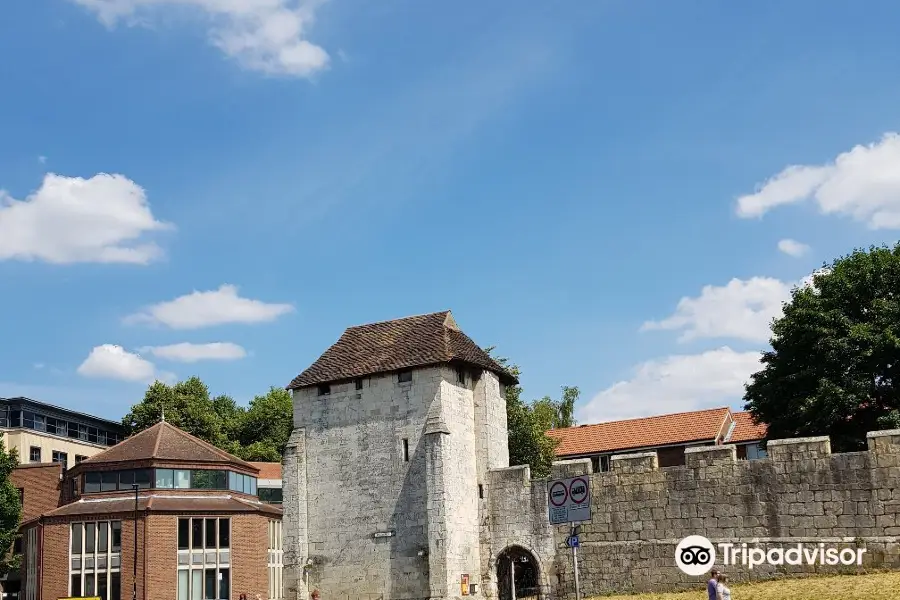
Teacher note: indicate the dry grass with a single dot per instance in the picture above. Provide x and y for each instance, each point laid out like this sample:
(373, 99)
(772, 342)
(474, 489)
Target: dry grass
(874, 586)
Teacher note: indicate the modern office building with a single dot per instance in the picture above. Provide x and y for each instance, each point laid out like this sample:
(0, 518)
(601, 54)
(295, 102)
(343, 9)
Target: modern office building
(43, 433)
(162, 510)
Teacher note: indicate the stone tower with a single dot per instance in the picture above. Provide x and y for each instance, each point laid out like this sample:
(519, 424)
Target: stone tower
(395, 429)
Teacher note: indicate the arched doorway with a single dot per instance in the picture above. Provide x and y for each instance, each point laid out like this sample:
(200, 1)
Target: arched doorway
(517, 575)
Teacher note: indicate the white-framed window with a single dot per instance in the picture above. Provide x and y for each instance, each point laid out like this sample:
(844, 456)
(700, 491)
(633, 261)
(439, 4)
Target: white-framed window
(95, 550)
(276, 561)
(754, 452)
(204, 558)
(31, 562)
(600, 463)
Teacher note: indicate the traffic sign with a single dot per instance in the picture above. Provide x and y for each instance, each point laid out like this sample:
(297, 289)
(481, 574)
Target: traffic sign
(572, 541)
(569, 500)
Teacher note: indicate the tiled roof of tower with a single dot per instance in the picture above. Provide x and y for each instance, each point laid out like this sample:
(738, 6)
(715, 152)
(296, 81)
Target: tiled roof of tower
(165, 442)
(395, 345)
(745, 430)
(662, 430)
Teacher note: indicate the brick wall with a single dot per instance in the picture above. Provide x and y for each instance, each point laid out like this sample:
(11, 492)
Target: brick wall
(157, 569)
(801, 493)
(42, 487)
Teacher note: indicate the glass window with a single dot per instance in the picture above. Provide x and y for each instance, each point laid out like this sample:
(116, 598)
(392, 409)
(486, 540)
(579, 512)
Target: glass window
(34, 454)
(15, 418)
(89, 538)
(182, 479)
(101, 585)
(116, 536)
(273, 495)
(142, 478)
(211, 533)
(89, 584)
(182, 584)
(28, 419)
(184, 526)
(126, 478)
(109, 480)
(76, 538)
(4, 417)
(233, 481)
(404, 376)
(224, 533)
(82, 432)
(92, 434)
(197, 534)
(91, 482)
(76, 586)
(115, 586)
(224, 584)
(72, 430)
(207, 480)
(102, 536)
(101, 437)
(165, 479)
(40, 423)
(252, 486)
(51, 425)
(210, 584)
(197, 585)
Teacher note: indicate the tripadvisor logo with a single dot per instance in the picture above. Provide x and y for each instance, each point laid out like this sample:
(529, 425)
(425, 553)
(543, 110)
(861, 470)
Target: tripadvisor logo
(695, 555)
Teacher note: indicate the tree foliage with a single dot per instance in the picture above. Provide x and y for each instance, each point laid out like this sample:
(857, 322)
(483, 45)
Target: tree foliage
(258, 432)
(834, 367)
(528, 423)
(10, 511)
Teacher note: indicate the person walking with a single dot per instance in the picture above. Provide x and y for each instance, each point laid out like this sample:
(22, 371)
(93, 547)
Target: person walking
(723, 592)
(712, 586)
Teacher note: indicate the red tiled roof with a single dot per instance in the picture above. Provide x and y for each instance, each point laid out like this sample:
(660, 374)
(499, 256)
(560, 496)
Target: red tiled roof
(395, 345)
(745, 430)
(647, 432)
(164, 441)
(268, 470)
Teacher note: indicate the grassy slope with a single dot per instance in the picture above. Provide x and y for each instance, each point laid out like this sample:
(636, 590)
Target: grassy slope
(876, 586)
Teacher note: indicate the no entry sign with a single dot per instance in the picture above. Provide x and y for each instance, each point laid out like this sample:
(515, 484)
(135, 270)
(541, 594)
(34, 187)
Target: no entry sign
(569, 500)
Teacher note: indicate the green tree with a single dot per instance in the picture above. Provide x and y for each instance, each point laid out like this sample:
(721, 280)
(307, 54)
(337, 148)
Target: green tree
(186, 405)
(834, 366)
(528, 423)
(265, 427)
(10, 511)
(259, 432)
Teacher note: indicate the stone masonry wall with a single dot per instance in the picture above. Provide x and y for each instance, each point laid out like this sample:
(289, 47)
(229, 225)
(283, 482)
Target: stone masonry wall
(346, 479)
(801, 493)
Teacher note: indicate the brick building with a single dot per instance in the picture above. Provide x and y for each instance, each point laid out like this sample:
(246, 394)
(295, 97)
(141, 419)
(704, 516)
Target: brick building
(180, 513)
(669, 435)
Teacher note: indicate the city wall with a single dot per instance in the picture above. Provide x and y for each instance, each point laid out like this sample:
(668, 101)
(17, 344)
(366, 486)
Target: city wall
(801, 493)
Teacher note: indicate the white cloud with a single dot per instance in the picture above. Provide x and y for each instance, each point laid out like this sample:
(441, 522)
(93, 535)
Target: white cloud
(205, 309)
(114, 362)
(71, 220)
(190, 353)
(42, 160)
(793, 248)
(863, 183)
(675, 384)
(741, 309)
(263, 35)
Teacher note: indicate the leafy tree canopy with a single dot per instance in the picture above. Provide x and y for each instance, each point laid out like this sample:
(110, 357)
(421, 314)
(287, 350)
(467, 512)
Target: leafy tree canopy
(528, 423)
(10, 511)
(258, 432)
(834, 367)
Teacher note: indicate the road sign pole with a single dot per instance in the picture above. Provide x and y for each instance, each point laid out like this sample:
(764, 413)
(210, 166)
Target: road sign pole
(575, 565)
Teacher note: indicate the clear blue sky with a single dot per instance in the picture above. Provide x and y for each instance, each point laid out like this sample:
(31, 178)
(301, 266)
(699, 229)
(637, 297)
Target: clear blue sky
(560, 176)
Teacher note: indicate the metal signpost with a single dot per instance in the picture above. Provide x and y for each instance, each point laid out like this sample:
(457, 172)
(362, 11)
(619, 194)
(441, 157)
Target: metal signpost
(569, 501)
